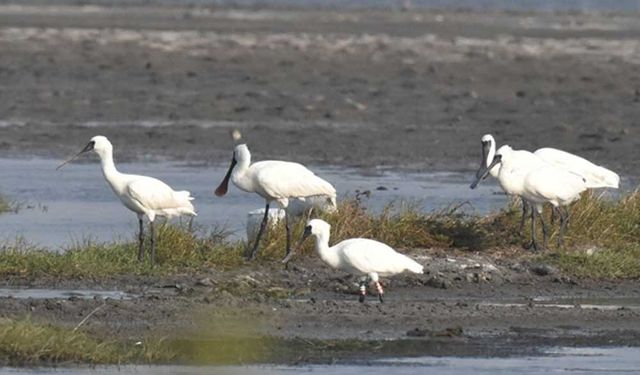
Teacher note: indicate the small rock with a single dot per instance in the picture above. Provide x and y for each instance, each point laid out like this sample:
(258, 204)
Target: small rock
(450, 332)
(542, 269)
(435, 282)
(417, 332)
(205, 282)
(382, 188)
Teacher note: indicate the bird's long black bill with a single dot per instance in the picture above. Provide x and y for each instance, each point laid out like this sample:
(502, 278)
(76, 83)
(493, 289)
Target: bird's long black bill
(484, 171)
(307, 233)
(86, 148)
(486, 147)
(224, 185)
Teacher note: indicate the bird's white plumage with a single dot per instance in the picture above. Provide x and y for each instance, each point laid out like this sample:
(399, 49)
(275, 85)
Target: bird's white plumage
(360, 255)
(277, 180)
(150, 194)
(141, 194)
(554, 185)
(596, 176)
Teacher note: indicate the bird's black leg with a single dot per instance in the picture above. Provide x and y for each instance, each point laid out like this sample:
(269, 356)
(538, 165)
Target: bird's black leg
(141, 240)
(153, 243)
(564, 218)
(191, 224)
(286, 224)
(363, 290)
(533, 244)
(254, 250)
(544, 230)
(380, 291)
(525, 208)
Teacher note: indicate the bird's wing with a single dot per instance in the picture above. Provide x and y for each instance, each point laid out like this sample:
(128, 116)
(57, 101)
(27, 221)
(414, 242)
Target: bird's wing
(280, 179)
(553, 183)
(155, 194)
(595, 175)
(368, 256)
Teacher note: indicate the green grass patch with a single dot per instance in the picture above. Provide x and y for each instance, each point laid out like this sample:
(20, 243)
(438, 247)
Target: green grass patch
(610, 226)
(602, 239)
(25, 342)
(178, 250)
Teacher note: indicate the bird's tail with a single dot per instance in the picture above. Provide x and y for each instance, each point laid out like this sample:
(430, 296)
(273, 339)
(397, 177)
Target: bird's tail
(187, 206)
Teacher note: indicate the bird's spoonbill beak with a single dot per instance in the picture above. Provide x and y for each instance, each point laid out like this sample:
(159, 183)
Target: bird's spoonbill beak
(484, 171)
(486, 147)
(224, 185)
(307, 233)
(86, 148)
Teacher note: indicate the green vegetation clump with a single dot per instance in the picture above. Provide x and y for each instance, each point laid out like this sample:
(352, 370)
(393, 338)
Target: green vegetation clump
(25, 342)
(602, 240)
(178, 250)
(609, 228)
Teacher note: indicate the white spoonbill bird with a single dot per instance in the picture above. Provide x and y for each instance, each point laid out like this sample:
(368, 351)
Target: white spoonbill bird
(538, 185)
(596, 176)
(146, 196)
(358, 256)
(273, 180)
(511, 172)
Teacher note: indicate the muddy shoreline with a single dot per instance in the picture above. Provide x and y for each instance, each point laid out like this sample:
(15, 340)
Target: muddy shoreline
(465, 305)
(365, 88)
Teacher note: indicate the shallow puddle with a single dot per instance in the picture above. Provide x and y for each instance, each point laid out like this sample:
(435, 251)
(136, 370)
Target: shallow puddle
(63, 293)
(75, 203)
(573, 361)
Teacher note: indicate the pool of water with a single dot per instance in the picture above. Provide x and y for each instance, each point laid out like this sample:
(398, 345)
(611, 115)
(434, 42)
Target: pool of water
(574, 361)
(59, 208)
(34, 293)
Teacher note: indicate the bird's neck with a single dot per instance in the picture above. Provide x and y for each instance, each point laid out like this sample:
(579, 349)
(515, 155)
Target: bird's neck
(327, 254)
(240, 172)
(109, 168)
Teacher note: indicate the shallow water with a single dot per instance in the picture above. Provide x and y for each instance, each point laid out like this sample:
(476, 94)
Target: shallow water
(63, 293)
(62, 207)
(484, 5)
(573, 361)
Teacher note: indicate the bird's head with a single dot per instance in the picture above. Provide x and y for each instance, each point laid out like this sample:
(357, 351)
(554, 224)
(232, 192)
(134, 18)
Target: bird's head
(100, 144)
(241, 155)
(315, 227)
(484, 170)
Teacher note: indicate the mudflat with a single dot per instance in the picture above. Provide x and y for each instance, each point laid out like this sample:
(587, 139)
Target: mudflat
(414, 89)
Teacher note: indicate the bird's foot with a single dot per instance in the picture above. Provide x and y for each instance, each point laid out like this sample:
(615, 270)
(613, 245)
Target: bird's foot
(363, 291)
(380, 291)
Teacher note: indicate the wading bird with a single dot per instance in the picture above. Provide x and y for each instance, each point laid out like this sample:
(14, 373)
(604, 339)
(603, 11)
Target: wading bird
(358, 256)
(273, 180)
(146, 196)
(595, 175)
(523, 161)
(538, 185)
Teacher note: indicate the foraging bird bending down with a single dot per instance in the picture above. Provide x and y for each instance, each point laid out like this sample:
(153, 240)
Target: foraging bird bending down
(146, 196)
(273, 180)
(544, 183)
(359, 256)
